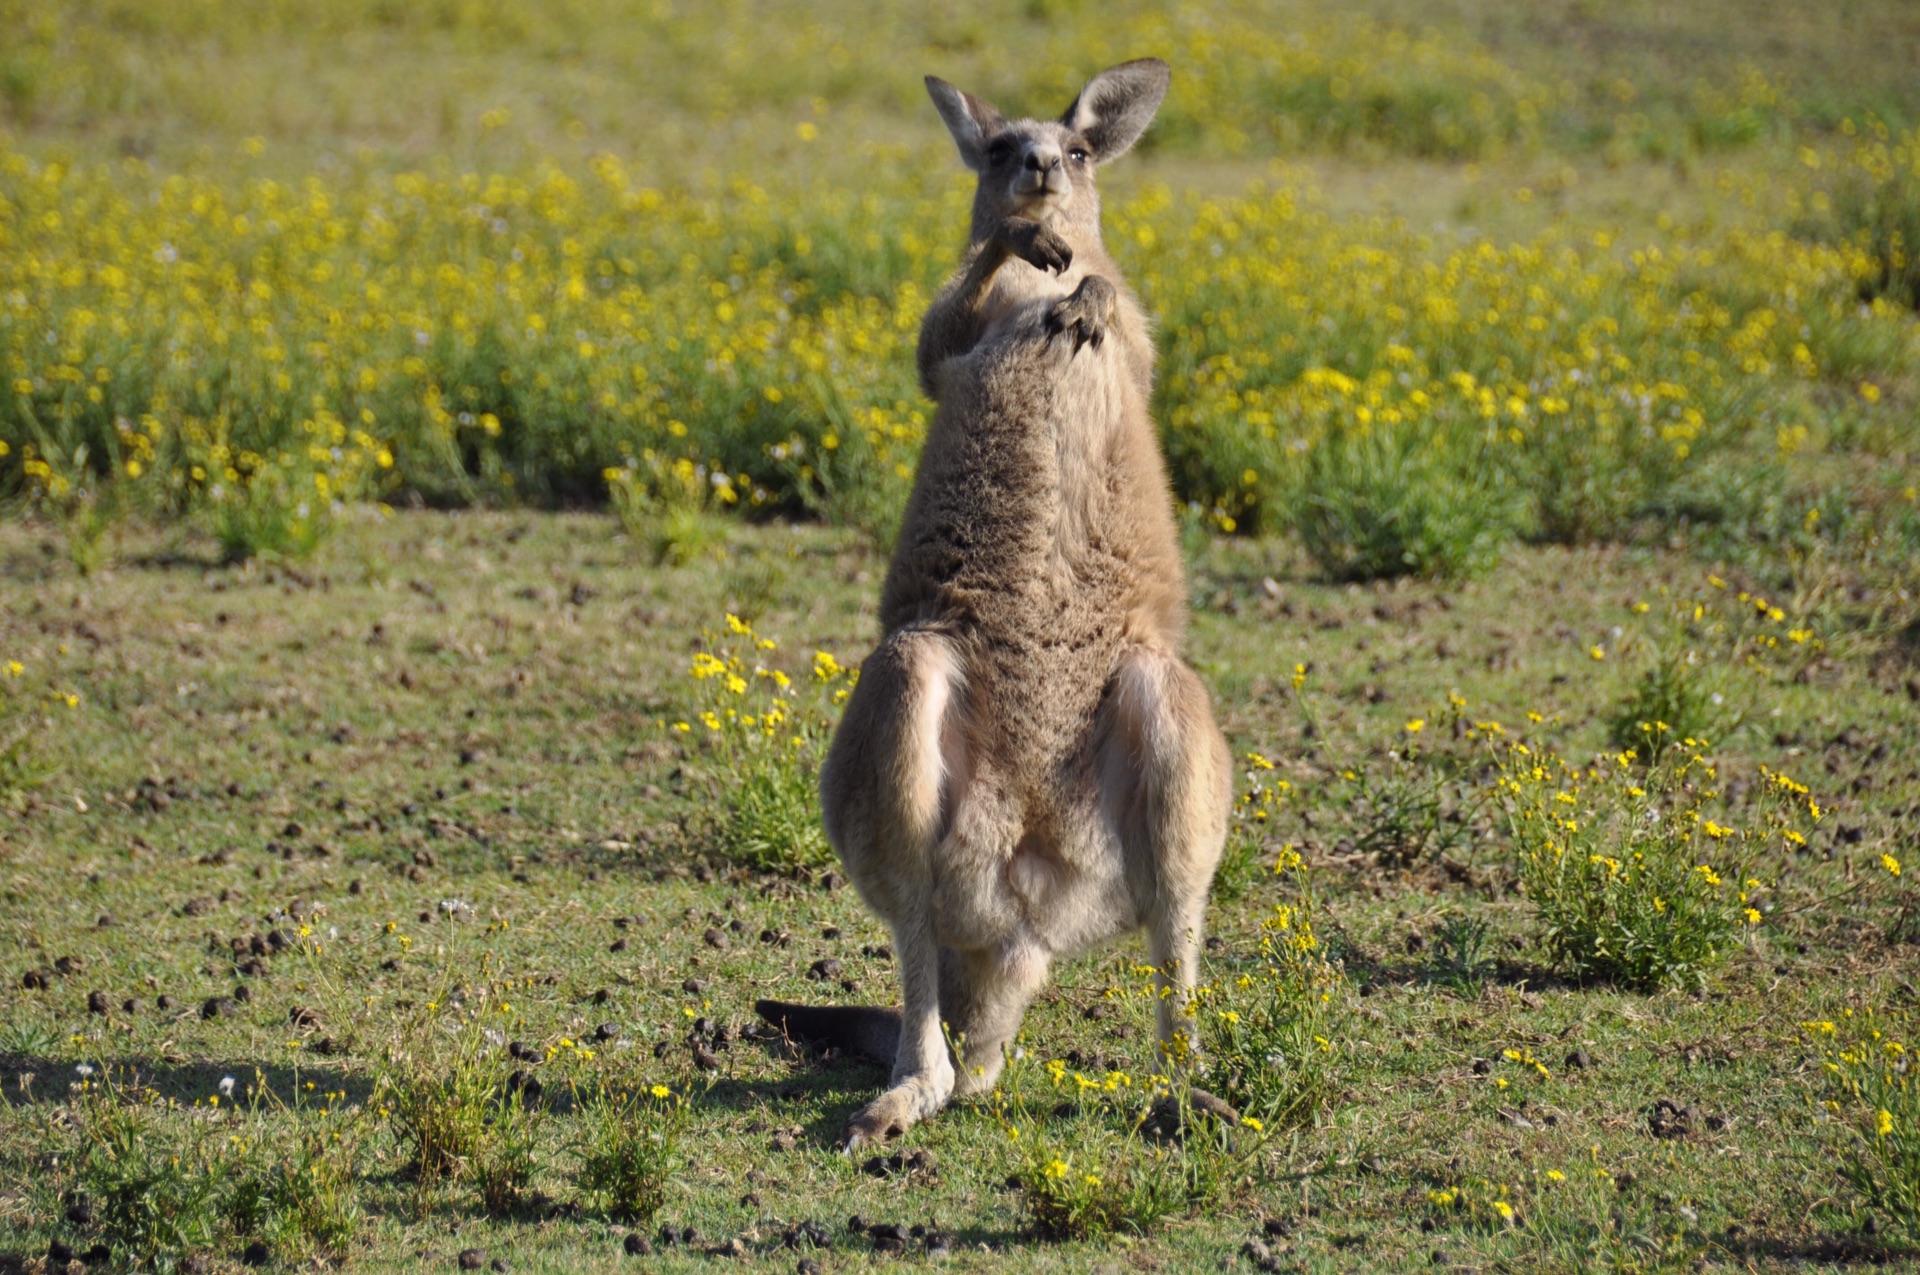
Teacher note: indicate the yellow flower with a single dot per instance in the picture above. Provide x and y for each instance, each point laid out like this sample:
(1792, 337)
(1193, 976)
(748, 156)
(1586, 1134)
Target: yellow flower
(1504, 1209)
(1891, 864)
(1885, 1124)
(1415, 726)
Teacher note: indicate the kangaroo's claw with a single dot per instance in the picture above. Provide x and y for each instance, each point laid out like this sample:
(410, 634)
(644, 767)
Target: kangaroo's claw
(1085, 314)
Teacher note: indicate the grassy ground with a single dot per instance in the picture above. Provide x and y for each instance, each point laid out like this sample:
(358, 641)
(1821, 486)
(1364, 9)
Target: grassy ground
(421, 786)
(479, 708)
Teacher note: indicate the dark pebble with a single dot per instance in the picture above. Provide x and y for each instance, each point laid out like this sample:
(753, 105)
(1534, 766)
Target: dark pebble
(219, 1007)
(60, 1251)
(695, 986)
(825, 969)
(1481, 1067)
(472, 1259)
(807, 1266)
(97, 1003)
(499, 1264)
(301, 1016)
(521, 1050)
(166, 1002)
(243, 993)
(716, 939)
(1579, 1060)
(605, 1031)
(637, 1245)
(257, 1254)
(130, 1006)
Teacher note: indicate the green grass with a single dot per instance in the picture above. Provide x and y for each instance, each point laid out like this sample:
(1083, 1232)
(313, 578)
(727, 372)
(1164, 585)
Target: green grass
(418, 781)
(479, 707)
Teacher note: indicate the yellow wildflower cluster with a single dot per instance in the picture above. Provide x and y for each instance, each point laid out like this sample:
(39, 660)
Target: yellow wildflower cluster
(765, 732)
(1621, 861)
(556, 332)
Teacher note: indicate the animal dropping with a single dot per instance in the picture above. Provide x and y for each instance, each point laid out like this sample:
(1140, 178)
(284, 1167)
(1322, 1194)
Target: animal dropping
(1026, 767)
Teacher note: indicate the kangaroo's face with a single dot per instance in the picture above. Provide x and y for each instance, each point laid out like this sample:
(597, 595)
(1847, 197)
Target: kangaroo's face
(1039, 170)
(1043, 169)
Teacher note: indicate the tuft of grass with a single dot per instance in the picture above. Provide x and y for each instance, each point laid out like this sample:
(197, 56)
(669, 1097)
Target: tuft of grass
(1679, 700)
(156, 1189)
(1461, 956)
(671, 509)
(627, 1148)
(1378, 504)
(298, 1187)
(28, 731)
(1100, 1173)
(1866, 1064)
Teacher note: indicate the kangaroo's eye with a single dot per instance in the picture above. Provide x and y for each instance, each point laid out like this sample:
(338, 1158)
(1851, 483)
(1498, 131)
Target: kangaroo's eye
(999, 153)
(1078, 154)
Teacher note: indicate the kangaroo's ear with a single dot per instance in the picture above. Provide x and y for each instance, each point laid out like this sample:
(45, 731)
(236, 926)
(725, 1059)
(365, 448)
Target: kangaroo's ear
(970, 120)
(1117, 105)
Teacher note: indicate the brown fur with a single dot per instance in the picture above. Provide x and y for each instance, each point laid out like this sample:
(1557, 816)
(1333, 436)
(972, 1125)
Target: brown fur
(1026, 767)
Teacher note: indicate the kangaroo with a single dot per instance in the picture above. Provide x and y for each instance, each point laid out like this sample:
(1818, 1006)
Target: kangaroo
(1026, 767)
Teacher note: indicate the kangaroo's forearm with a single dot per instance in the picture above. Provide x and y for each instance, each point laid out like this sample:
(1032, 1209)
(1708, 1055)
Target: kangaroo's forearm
(952, 325)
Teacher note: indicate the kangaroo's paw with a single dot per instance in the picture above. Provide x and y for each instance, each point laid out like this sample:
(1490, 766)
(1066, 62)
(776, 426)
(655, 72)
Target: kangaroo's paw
(1084, 314)
(1033, 243)
(891, 1114)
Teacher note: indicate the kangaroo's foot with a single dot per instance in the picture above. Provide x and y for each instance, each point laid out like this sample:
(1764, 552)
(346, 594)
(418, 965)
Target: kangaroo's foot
(1033, 243)
(1085, 314)
(911, 1100)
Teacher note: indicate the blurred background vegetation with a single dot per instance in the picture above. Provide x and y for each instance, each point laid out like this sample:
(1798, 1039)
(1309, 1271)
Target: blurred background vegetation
(1431, 277)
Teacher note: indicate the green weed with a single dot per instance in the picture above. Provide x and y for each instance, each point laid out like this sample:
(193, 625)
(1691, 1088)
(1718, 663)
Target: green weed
(1633, 879)
(29, 716)
(1680, 700)
(1105, 1172)
(766, 732)
(1376, 504)
(627, 1148)
(155, 1186)
(1271, 1028)
(1866, 1064)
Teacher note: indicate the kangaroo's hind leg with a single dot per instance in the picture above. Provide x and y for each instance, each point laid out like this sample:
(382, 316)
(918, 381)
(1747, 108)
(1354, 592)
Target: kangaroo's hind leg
(984, 995)
(1166, 787)
(897, 768)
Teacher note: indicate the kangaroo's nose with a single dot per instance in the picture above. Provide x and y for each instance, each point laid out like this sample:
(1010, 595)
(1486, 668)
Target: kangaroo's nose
(1042, 163)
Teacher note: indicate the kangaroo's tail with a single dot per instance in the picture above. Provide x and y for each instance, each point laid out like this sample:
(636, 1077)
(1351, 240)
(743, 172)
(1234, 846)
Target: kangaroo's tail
(867, 1030)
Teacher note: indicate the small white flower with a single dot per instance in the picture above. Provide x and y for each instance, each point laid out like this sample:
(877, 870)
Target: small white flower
(84, 1070)
(226, 1086)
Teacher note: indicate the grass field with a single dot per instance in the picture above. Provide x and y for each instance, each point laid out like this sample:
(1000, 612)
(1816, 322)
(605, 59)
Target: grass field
(448, 456)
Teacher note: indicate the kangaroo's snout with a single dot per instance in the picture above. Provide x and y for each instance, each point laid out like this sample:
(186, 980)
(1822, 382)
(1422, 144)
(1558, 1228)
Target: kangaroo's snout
(1042, 171)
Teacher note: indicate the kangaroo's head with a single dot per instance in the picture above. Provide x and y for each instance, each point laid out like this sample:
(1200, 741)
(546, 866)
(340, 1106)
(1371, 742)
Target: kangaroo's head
(1043, 169)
